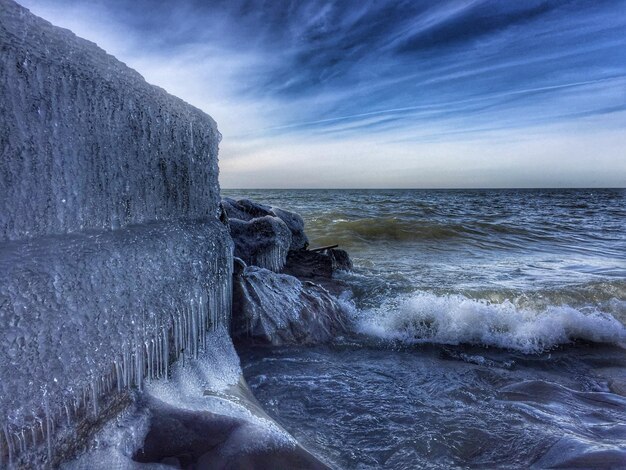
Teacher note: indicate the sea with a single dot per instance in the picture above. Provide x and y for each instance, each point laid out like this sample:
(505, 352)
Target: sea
(486, 330)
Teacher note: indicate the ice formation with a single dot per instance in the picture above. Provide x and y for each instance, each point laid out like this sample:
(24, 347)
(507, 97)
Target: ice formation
(281, 309)
(112, 258)
(204, 416)
(263, 241)
(87, 143)
(264, 235)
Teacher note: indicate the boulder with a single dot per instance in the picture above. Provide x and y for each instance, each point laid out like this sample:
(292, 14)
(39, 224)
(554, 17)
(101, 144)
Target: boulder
(280, 309)
(262, 241)
(315, 264)
(246, 210)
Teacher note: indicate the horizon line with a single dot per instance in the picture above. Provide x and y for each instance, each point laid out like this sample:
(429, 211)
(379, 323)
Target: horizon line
(429, 188)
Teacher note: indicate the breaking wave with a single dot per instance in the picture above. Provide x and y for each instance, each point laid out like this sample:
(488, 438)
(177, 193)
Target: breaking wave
(456, 319)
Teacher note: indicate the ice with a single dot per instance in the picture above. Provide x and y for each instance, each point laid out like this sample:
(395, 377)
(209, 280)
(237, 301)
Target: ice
(262, 241)
(84, 314)
(112, 260)
(205, 409)
(281, 309)
(85, 142)
(247, 210)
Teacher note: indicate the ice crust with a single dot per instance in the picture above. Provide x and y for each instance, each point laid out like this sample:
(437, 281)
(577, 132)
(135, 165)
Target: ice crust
(247, 210)
(85, 314)
(113, 261)
(226, 418)
(85, 142)
(281, 309)
(263, 241)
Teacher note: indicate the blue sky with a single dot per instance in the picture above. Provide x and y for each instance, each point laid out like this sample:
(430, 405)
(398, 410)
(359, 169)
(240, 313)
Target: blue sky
(385, 94)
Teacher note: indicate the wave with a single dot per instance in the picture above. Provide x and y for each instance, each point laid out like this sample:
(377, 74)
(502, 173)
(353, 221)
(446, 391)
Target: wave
(399, 229)
(456, 319)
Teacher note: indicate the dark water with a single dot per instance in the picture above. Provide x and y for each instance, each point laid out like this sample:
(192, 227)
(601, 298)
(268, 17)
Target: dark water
(487, 331)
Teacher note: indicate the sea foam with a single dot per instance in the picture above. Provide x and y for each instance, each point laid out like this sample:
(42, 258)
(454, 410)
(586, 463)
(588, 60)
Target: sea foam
(456, 319)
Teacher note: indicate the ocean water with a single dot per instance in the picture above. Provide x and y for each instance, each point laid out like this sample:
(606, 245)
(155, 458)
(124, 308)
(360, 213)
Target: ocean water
(487, 329)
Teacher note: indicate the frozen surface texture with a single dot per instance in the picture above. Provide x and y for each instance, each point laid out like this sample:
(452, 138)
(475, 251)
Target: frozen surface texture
(112, 258)
(280, 309)
(85, 142)
(247, 210)
(263, 241)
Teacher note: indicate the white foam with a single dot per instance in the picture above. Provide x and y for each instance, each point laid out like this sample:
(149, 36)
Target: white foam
(456, 319)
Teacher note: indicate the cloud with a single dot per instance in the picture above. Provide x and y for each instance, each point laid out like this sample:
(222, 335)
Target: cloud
(292, 82)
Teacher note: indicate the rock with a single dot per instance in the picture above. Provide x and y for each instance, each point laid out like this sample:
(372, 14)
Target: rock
(340, 259)
(199, 438)
(299, 306)
(299, 240)
(246, 210)
(262, 241)
(280, 309)
(315, 264)
(308, 264)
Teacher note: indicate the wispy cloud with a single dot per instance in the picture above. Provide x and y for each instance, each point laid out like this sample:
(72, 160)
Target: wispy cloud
(295, 82)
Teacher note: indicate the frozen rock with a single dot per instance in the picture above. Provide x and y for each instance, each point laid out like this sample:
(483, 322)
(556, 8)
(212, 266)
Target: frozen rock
(262, 241)
(280, 309)
(244, 209)
(340, 259)
(319, 267)
(295, 223)
(308, 264)
(247, 210)
(86, 143)
(86, 314)
(205, 416)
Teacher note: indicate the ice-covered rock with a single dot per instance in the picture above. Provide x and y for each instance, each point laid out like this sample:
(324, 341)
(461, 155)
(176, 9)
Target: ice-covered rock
(295, 223)
(262, 241)
(112, 258)
(280, 309)
(246, 210)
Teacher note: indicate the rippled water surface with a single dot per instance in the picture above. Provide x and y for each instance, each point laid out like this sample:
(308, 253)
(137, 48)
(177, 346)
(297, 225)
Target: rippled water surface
(488, 330)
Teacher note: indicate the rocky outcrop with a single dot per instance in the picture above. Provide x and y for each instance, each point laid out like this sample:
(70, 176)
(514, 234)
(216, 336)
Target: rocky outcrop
(300, 305)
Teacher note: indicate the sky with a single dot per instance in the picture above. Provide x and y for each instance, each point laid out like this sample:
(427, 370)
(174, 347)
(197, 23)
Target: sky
(385, 94)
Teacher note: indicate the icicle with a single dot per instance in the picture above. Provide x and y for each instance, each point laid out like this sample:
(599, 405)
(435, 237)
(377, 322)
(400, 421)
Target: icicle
(94, 397)
(67, 413)
(166, 356)
(33, 434)
(9, 443)
(145, 355)
(48, 432)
